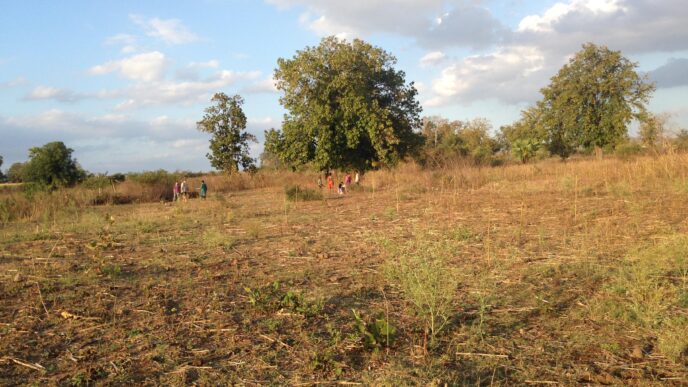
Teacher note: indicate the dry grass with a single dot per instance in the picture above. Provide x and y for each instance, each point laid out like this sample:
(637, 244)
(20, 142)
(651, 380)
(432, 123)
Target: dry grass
(551, 260)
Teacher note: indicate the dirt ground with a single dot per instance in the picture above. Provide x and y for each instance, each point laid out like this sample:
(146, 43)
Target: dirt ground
(248, 288)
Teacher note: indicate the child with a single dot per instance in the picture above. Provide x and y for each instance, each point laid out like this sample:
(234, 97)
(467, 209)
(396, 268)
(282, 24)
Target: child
(330, 183)
(175, 191)
(320, 183)
(347, 180)
(185, 191)
(342, 189)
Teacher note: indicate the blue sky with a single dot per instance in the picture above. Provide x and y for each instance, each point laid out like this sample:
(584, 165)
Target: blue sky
(123, 82)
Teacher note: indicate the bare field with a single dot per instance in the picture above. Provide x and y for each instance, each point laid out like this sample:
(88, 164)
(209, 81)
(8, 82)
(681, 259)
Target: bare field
(553, 273)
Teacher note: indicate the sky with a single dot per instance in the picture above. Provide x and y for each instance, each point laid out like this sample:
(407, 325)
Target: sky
(123, 83)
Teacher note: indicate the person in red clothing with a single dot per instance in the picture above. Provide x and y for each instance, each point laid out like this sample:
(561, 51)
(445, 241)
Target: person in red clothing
(330, 182)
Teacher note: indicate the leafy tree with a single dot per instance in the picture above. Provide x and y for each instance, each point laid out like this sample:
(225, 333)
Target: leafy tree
(52, 166)
(15, 174)
(529, 128)
(347, 107)
(680, 142)
(442, 142)
(591, 101)
(229, 146)
(476, 140)
(652, 130)
(270, 158)
(447, 141)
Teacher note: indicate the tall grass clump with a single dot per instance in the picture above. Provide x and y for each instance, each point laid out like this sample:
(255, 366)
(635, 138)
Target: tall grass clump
(420, 268)
(298, 193)
(650, 293)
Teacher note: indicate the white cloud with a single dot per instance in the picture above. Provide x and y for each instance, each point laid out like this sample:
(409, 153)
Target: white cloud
(171, 31)
(47, 92)
(508, 74)
(128, 42)
(433, 23)
(559, 11)
(147, 67)
(192, 71)
(432, 58)
(266, 85)
(515, 70)
(165, 92)
(13, 83)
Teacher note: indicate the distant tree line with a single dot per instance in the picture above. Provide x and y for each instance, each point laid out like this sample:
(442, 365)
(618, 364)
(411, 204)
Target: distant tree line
(348, 107)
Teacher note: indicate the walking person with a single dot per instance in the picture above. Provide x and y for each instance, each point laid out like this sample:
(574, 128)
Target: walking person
(320, 182)
(356, 178)
(330, 183)
(347, 180)
(185, 190)
(175, 191)
(204, 189)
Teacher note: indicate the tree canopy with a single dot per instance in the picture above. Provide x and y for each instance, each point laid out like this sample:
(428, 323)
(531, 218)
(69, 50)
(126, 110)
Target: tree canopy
(588, 104)
(347, 107)
(226, 122)
(52, 166)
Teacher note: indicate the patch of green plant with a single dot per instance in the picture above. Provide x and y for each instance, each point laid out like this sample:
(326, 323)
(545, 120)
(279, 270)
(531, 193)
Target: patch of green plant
(325, 361)
(274, 296)
(390, 213)
(213, 237)
(648, 292)
(619, 190)
(111, 270)
(420, 269)
(375, 333)
(297, 193)
(147, 226)
(134, 332)
(628, 150)
(463, 234)
(567, 183)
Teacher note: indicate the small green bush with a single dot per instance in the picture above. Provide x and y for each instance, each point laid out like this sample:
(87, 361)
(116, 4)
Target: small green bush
(420, 268)
(297, 193)
(378, 332)
(648, 292)
(627, 150)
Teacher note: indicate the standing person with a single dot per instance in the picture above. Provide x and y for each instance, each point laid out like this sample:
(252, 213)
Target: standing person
(356, 178)
(320, 182)
(185, 190)
(175, 191)
(347, 180)
(330, 182)
(340, 189)
(204, 189)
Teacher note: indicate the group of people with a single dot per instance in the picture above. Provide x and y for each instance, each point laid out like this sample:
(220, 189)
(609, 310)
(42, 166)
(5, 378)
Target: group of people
(181, 191)
(341, 188)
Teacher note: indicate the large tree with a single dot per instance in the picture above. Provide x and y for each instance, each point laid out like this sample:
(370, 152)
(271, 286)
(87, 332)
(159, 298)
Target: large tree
(226, 122)
(52, 166)
(347, 107)
(592, 99)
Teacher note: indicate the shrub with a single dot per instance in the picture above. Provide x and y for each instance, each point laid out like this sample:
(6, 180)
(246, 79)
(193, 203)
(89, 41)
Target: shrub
(296, 193)
(420, 268)
(627, 150)
(648, 292)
